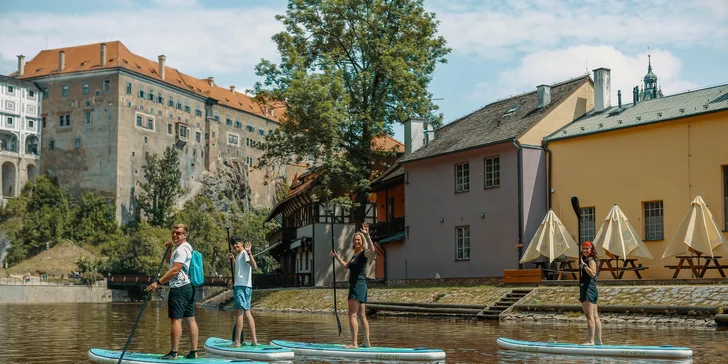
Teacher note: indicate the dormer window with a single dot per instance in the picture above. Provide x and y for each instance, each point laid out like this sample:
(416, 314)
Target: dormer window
(511, 110)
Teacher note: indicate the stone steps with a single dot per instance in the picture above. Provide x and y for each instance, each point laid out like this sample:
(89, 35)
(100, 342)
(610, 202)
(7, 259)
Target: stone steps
(509, 299)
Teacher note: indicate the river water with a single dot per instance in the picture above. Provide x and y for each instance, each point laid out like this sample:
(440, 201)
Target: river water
(63, 333)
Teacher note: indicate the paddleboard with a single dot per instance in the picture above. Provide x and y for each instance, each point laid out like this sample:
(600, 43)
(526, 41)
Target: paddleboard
(665, 351)
(218, 346)
(374, 352)
(112, 357)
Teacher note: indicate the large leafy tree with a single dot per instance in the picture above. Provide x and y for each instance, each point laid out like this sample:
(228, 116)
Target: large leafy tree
(206, 233)
(161, 187)
(93, 219)
(349, 71)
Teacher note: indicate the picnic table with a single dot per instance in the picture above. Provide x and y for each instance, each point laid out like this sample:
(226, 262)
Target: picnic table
(564, 267)
(696, 268)
(616, 271)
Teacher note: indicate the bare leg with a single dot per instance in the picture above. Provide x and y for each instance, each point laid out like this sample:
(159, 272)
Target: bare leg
(597, 325)
(176, 333)
(364, 324)
(586, 307)
(251, 323)
(239, 322)
(353, 324)
(194, 332)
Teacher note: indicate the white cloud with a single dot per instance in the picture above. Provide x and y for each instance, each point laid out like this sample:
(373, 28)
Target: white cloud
(494, 30)
(550, 66)
(199, 41)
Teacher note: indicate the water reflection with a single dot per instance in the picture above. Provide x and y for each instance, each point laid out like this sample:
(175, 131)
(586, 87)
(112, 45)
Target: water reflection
(67, 331)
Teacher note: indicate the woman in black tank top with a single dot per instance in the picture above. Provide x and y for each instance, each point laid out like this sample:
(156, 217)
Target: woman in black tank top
(588, 293)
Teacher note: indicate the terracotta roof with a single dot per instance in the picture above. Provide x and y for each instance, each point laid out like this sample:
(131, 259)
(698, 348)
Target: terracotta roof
(88, 58)
(497, 122)
(385, 143)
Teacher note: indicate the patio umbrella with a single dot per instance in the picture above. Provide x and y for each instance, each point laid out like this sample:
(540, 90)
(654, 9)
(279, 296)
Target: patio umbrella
(551, 240)
(618, 237)
(699, 231)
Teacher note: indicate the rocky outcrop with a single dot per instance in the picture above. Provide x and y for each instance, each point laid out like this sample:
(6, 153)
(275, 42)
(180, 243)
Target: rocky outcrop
(229, 187)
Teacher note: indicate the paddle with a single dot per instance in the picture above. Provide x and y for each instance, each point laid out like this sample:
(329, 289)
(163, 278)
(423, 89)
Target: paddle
(161, 264)
(232, 272)
(333, 262)
(577, 211)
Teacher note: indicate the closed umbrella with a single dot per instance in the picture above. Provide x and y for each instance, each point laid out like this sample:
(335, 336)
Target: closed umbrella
(699, 231)
(618, 237)
(551, 240)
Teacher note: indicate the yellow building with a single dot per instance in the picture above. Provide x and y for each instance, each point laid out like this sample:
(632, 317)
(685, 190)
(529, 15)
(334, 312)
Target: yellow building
(651, 158)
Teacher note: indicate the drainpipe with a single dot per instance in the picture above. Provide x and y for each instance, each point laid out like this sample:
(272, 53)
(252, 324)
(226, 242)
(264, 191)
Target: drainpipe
(519, 152)
(550, 162)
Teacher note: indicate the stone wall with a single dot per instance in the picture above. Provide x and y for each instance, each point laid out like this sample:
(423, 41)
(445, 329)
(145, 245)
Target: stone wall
(636, 295)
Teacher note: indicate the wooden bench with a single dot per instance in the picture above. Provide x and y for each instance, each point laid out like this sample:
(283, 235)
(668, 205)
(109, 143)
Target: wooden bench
(522, 275)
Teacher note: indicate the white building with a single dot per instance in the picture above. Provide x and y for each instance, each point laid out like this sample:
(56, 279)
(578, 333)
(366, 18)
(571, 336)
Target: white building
(20, 125)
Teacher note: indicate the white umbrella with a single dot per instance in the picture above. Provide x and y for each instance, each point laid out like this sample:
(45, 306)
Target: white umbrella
(551, 240)
(617, 236)
(699, 231)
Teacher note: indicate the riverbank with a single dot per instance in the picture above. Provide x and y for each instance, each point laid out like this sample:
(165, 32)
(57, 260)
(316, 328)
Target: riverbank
(678, 305)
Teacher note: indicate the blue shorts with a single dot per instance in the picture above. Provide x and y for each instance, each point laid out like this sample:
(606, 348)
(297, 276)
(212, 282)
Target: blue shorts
(242, 295)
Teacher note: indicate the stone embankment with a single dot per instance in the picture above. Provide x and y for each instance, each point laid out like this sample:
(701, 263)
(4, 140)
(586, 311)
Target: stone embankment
(694, 306)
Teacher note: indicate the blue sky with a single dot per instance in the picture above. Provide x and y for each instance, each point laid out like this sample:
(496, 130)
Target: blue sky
(500, 48)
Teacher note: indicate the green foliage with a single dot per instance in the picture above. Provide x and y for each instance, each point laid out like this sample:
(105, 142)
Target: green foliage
(161, 187)
(137, 252)
(350, 70)
(207, 233)
(94, 220)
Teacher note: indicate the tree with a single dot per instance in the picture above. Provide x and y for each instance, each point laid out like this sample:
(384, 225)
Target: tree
(138, 252)
(251, 228)
(349, 71)
(206, 233)
(93, 219)
(161, 187)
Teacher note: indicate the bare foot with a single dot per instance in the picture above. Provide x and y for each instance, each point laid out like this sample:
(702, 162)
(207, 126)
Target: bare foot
(350, 346)
(366, 345)
(235, 345)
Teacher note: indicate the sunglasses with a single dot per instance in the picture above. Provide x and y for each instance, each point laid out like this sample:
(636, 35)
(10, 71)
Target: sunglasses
(178, 233)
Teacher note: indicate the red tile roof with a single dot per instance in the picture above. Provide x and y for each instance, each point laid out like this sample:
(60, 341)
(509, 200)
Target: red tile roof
(88, 57)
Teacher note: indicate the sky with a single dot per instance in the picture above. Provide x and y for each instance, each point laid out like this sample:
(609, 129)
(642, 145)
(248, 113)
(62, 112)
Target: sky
(499, 48)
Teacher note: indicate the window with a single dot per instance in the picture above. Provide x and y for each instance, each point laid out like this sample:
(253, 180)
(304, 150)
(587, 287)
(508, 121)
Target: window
(238, 124)
(390, 209)
(228, 121)
(249, 128)
(87, 118)
(248, 142)
(217, 116)
(11, 90)
(150, 123)
(107, 85)
(198, 112)
(462, 177)
(462, 243)
(170, 103)
(169, 129)
(141, 92)
(86, 87)
(249, 161)
(31, 94)
(128, 88)
(179, 104)
(232, 139)
(511, 110)
(187, 107)
(146, 140)
(160, 98)
(64, 121)
(51, 144)
(77, 143)
(197, 136)
(150, 96)
(171, 116)
(31, 123)
(654, 221)
(492, 172)
(588, 224)
(183, 131)
(45, 93)
(261, 132)
(9, 121)
(44, 121)
(138, 120)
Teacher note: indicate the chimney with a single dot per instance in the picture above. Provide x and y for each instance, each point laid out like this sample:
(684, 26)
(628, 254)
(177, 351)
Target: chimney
(544, 95)
(414, 135)
(103, 54)
(619, 98)
(162, 60)
(602, 89)
(635, 95)
(61, 61)
(21, 65)
(211, 81)
(429, 135)
(232, 89)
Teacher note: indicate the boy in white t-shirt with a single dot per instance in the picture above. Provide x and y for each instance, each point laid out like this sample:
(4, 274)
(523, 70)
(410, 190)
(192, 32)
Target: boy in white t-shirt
(243, 288)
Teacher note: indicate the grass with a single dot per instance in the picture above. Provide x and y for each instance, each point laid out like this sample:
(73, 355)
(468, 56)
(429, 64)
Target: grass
(62, 260)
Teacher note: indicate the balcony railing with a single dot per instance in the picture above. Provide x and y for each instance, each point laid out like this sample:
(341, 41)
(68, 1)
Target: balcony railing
(387, 228)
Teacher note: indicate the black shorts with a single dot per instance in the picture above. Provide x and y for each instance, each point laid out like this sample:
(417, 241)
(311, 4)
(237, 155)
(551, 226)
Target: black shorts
(181, 302)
